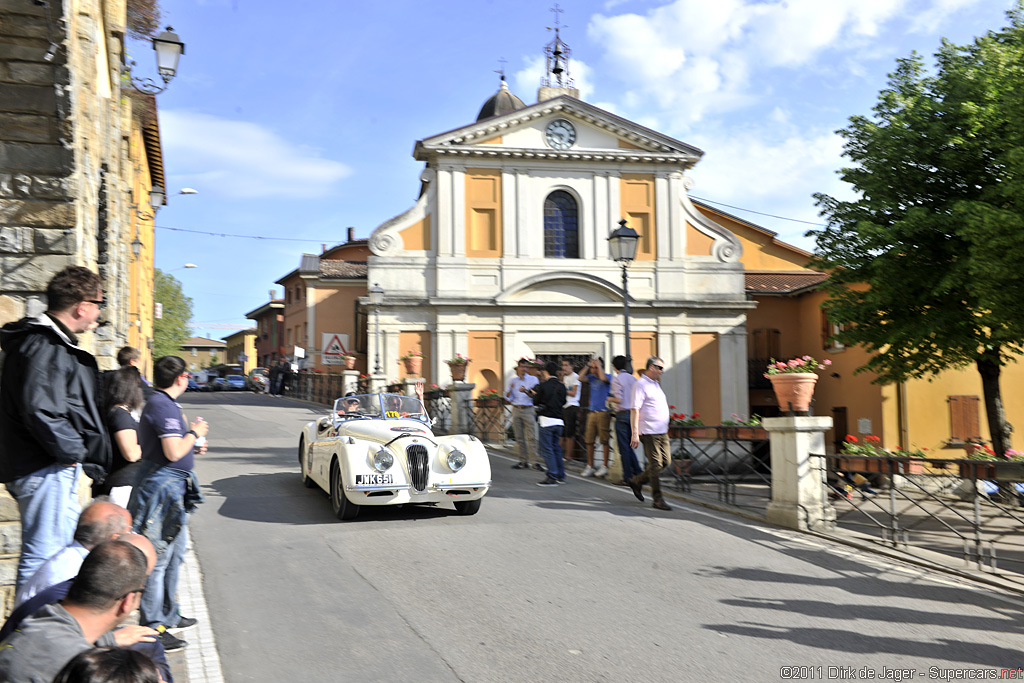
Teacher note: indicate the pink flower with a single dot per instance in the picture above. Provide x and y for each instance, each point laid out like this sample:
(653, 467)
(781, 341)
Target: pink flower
(807, 358)
(826, 362)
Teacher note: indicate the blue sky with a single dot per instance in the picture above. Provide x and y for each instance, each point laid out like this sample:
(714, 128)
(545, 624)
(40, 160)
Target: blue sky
(296, 120)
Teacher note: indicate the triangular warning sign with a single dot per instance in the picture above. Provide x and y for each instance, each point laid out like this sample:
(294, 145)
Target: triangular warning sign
(334, 347)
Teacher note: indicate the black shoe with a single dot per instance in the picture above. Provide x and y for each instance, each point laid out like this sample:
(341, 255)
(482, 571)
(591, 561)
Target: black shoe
(170, 642)
(520, 466)
(184, 622)
(660, 505)
(537, 466)
(638, 490)
(550, 481)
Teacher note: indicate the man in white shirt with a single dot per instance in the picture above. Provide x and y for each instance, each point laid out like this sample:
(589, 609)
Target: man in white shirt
(571, 409)
(524, 420)
(101, 521)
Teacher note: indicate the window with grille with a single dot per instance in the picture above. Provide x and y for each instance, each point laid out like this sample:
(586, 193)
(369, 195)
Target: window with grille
(561, 229)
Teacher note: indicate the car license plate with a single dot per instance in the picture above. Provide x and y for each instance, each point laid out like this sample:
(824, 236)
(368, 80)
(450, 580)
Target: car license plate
(374, 479)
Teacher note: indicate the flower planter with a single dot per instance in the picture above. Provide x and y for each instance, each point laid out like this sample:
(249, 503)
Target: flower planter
(865, 463)
(751, 433)
(350, 362)
(487, 402)
(980, 469)
(413, 365)
(1010, 471)
(458, 371)
(691, 432)
(794, 390)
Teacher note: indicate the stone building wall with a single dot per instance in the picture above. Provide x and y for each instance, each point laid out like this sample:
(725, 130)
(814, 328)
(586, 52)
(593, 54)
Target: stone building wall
(64, 174)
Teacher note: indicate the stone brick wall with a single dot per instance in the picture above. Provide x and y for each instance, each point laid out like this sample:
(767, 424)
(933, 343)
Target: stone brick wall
(64, 176)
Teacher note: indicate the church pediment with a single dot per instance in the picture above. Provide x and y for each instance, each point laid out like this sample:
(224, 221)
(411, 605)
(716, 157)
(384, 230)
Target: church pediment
(592, 134)
(562, 289)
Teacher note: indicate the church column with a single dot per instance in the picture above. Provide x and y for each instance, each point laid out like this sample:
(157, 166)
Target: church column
(676, 354)
(612, 217)
(732, 363)
(444, 229)
(390, 353)
(661, 215)
(513, 207)
(458, 211)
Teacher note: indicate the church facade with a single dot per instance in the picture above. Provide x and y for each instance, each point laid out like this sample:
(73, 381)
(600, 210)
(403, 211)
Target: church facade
(505, 253)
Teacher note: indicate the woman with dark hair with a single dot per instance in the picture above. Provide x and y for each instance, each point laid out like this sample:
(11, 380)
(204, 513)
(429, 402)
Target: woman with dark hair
(109, 665)
(122, 401)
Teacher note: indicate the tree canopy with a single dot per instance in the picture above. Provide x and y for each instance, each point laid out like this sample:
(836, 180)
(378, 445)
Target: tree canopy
(925, 264)
(171, 331)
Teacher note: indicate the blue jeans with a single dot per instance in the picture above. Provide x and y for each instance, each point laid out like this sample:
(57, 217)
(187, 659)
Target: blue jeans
(551, 447)
(158, 604)
(49, 507)
(624, 434)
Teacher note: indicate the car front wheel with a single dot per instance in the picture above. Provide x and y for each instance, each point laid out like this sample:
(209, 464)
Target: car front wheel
(343, 508)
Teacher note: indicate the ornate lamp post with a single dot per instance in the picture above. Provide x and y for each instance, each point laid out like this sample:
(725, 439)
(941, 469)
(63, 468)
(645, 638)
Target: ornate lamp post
(623, 243)
(377, 298)
(169, 49)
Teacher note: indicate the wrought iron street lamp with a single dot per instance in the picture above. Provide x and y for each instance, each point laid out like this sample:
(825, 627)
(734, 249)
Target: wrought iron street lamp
(623, 243)
(376, 299)
(169, 50)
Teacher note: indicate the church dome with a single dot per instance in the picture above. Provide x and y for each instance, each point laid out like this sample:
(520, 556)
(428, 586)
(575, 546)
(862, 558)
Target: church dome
(501, 102)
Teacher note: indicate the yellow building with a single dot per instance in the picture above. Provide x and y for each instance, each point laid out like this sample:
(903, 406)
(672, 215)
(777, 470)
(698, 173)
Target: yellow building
(240, 349)
(200, 352)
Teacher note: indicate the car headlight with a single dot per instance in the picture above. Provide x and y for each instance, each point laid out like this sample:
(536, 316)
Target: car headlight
(383, 460)
(456, 460)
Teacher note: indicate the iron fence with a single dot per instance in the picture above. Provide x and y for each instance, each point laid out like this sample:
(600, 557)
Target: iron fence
(439, 407)
(959, 508)
(726, 463)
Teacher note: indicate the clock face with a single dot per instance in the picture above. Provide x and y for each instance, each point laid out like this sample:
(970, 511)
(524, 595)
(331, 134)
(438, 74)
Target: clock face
(561, 134)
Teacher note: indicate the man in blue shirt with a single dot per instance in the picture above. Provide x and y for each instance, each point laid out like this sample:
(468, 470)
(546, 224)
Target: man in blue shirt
(169, 444)
(598, 418)
(524, 418)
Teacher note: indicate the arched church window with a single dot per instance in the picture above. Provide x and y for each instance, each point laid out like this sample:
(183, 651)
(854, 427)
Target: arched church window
(561, 226)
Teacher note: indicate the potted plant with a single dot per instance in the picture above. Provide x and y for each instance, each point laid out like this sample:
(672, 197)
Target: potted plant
(681, 425)
(350, 361)
(489, 398)
(986, 464)
(793, 382)
(413, 361)
(868, 455)
(457, 365)
(740, 427)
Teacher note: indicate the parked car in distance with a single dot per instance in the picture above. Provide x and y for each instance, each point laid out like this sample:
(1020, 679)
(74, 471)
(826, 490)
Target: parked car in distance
(258, 379)
(379, 449)
(235, 383)
(192, 385)
(217, 384)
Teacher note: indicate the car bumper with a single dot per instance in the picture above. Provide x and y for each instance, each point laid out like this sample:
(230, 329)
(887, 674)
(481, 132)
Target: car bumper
(386, 494)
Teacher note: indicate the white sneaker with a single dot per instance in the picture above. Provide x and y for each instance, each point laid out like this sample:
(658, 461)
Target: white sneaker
(601, 471)
(588, 472)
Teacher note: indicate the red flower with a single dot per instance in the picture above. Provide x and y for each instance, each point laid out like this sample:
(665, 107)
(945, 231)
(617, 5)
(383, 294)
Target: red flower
(850, 438)
(671, 407)
(696, 415)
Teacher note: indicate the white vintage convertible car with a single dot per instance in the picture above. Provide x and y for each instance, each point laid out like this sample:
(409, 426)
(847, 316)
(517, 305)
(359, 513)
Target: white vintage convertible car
(378, 449)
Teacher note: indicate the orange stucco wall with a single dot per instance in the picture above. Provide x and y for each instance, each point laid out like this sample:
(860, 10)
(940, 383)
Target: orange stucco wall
(336, 313)
(417, 340)
(707, 391)
(417, 236)
(483, 212)
(484, 347)
(637, 198)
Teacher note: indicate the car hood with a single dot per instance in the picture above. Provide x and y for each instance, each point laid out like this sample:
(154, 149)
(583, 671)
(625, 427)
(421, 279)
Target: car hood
(384, 430)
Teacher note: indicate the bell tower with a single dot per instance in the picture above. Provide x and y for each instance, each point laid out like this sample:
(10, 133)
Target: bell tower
(556, 80)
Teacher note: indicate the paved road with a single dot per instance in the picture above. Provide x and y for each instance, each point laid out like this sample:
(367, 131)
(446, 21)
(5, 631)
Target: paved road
(577, 583)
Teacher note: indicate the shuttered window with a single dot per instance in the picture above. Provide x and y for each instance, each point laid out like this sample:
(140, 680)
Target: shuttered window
(964, 422)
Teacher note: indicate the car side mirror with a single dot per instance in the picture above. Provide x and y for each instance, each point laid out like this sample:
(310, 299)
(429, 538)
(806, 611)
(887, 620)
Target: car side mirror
(433, 421)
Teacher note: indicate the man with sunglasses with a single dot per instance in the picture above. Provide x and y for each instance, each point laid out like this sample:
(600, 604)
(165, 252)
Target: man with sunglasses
(50, 416)
(648, 419)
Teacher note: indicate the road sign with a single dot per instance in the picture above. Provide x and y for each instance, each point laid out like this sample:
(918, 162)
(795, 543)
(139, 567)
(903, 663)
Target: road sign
(334, 348)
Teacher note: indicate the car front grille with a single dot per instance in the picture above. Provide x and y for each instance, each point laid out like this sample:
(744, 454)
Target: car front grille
(418, 468)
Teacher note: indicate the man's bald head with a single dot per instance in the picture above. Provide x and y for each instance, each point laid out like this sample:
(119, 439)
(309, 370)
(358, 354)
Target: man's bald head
(102, 521)
(143, 544)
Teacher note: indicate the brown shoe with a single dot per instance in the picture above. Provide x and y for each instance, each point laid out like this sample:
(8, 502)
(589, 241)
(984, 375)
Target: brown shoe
(661, 505)
(638, 490)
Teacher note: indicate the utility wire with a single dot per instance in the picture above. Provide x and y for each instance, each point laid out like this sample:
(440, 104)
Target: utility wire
(296, 239)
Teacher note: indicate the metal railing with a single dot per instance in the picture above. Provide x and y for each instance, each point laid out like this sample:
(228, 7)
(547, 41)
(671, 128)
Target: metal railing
(439, 407)
(730, 464)
(957, 508)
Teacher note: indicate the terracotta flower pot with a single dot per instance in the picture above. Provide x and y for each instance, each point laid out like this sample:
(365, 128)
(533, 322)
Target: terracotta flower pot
(458, 371)
(413, 365)
(350, 362)
(794, 390)
(979, 469)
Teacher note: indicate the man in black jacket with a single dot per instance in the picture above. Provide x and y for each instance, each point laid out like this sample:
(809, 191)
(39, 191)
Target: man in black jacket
(548, 398)
(50, 416)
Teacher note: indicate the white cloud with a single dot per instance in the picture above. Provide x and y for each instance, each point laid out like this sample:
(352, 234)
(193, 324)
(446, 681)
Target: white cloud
(244, 160)
(929, 19)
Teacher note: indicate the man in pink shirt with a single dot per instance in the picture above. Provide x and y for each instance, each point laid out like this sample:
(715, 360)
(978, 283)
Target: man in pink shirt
(648, 419)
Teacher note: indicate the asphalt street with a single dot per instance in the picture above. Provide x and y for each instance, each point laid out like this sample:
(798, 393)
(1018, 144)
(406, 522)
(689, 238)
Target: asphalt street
(574, 583)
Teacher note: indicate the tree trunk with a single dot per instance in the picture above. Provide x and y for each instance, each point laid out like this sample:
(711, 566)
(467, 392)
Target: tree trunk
(990, 367)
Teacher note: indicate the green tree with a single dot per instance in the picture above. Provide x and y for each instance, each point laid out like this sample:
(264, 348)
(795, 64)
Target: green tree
(925, 264)
(171, 331)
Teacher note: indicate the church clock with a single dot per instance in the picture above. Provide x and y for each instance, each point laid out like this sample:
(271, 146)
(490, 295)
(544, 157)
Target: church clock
(560, 134)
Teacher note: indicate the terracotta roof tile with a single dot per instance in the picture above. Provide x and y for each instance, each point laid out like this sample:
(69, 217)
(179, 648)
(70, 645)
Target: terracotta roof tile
(782, 282)
(342, 269)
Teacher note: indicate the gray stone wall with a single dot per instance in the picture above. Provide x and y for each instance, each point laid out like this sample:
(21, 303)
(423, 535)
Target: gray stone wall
(64, 175)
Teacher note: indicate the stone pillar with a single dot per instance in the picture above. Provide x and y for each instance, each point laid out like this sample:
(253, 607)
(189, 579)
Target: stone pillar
(409, 385)
(349, 381)
(378, 383)
(798, 490)
(461, 395)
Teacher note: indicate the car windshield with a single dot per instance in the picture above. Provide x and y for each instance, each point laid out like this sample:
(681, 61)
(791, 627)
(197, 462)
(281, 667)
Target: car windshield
(377, 405)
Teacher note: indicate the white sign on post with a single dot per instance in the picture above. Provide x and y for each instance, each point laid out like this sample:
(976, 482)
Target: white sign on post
(335, 346)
